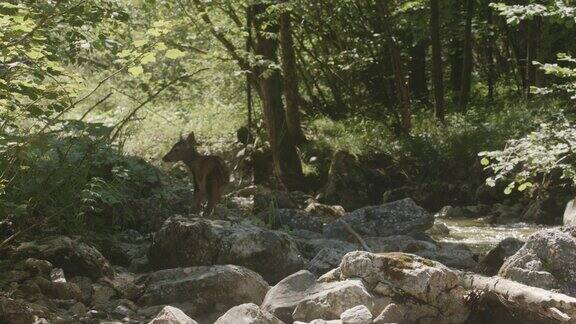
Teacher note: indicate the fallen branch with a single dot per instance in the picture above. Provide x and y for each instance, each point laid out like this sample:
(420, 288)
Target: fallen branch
(548, 304)
(356, 235)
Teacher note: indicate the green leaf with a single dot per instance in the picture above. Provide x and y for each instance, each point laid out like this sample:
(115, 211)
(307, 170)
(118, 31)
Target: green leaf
(161, 46)
(140, 42)
(136, 70)
(124, 53)
(148, 58)
(33, 54)
(524, 186)
(153, 32)
(485, 162)
(174, 53)
(508, 191)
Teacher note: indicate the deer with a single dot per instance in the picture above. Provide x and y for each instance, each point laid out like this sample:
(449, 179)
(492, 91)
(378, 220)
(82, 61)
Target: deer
(209, 172)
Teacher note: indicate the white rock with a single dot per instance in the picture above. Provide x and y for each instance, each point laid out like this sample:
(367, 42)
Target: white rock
(172, 315)
(357, 315)
(247, 314)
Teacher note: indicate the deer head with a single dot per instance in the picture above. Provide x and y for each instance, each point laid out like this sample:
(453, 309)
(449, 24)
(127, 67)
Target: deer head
(182, 150)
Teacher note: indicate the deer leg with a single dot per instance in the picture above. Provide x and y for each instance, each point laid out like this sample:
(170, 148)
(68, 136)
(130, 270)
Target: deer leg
(199, 193)
(213, 194)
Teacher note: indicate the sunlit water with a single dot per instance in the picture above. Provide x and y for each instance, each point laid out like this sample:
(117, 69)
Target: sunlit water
(480, 236)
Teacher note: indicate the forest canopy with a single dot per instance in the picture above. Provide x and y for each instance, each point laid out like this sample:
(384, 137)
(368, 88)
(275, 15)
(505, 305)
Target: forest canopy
(92, 92)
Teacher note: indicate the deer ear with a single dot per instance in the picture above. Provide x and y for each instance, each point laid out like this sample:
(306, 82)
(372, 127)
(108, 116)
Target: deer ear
(191, 139)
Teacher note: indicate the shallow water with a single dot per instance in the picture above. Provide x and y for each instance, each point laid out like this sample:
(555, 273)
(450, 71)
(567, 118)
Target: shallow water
(480, 236)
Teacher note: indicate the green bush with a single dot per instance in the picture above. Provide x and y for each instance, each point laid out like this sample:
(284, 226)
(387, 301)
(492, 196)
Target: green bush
(75, 180)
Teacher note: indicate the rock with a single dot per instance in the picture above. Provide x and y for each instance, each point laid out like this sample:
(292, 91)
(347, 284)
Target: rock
(172, 315)
(464, 211)
(326, 260)
(330, 300)
(247, 314)
(122, 310)
(101, 295)
(57, 275)
(299, 297)
(126, 285)
(433, 195)
(14, 312)
(59, 290)
(329, 257)
(426, 288)
(547, 260)
(127, 249)
(75, 257)
(399, 217)
(391, 314)
(504, 213)
(208, 291)
(438, 229)
(38, 267)
(348, 182)
(569, 217)
(85, 285)
(493, 261)
(191, 242)
(285, 295)
(290, 219)
(455, 255)
(78, 309)
(357, 315)
(326, 212)
(265, 199)
(14, 276)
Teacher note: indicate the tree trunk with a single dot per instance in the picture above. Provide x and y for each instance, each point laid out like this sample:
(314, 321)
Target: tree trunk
(437, 71)
(418, 82)
(490, 56)
(555, 307)
(290, 84)
(402, 89)
(287, 166)
(531, 54)
(467, 60)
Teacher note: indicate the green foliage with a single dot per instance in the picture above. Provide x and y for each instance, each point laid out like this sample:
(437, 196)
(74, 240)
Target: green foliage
(435, 151)
(74, 180)
(537, 161)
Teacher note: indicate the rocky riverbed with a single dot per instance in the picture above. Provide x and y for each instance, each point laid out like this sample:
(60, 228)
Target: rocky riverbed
(301, 261)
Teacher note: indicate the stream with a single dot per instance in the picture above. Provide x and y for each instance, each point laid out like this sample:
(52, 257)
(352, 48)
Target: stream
(480, 236)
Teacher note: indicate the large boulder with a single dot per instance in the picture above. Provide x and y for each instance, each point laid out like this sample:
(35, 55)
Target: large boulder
(127, 249)
(290, 219)
(172, 315)
(185, 242)
(329, 300)
(74, 256)
(495, 258)
(300, 297)
(247, 314)
(14, 312)
(395, 218)
(475, 211)
(326, 212)
(348, 182)
(206, 292)
(329, 253)
(357, 315)
(547, 260)
(429, 292)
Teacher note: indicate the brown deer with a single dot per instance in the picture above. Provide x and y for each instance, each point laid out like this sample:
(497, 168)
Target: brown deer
(209, 172)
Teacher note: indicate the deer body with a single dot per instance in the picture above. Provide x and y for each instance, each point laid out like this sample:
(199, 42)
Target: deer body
(209, 172)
